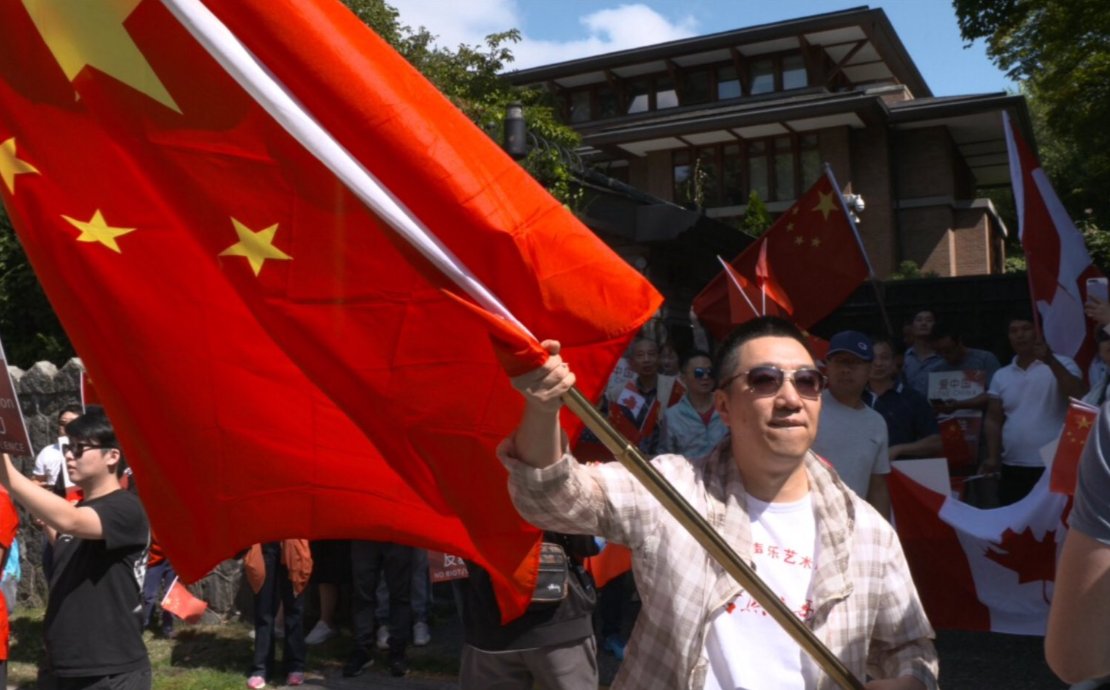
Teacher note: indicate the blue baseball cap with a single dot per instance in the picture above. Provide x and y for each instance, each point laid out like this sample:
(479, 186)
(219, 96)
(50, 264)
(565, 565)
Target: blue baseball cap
(852, 342)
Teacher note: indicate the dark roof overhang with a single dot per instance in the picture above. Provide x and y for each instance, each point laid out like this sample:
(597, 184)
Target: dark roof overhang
(975, 124)
(886, 57)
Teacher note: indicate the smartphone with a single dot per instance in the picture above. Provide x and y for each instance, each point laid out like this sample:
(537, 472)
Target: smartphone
(1097, 288)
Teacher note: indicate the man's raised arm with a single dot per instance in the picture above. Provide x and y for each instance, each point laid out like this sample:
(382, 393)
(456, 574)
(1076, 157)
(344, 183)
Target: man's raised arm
(538, 441)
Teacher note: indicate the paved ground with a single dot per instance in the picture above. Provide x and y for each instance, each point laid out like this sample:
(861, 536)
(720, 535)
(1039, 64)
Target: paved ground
(969, 661)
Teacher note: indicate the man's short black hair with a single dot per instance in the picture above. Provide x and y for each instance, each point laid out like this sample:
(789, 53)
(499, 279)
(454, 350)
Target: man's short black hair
(691, 355)
(1020, 316)
(761, 327)
(94, 428)
(944, 329)
(72, 408)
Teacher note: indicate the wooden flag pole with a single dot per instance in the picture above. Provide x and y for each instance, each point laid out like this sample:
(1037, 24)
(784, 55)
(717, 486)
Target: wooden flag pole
(710, 540)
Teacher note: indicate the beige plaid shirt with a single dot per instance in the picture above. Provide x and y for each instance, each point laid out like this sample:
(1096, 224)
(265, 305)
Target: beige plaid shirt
(866, 608)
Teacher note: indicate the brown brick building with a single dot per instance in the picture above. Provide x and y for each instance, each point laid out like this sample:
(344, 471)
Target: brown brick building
(700, 123)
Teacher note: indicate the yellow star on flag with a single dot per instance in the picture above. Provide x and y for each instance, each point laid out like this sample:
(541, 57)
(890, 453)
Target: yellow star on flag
(799, 240)
(790, 227)
(1083, 422)
(10, 166)
(816, 242)
(96, 229)
(256, 247)
(826, 205)
(91, 34)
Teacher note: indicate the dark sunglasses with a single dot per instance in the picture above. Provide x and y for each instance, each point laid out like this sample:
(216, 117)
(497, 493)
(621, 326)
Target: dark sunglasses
(78, 449)
(767, 380)
(703, 373)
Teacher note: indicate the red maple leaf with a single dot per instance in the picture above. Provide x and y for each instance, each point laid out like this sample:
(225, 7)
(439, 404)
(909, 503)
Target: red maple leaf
(1023, 553)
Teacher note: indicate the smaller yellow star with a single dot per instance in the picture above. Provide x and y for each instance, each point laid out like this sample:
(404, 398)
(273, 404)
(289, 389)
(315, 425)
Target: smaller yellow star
(96, 229)
(794, 211)
(255, 247)
(799, 240)
(789, 227)
(826, 205)
(10, 166)
(1084, 423)
(816, 242)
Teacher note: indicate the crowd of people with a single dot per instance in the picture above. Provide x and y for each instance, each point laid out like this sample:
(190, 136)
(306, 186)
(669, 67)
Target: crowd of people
(786, 455)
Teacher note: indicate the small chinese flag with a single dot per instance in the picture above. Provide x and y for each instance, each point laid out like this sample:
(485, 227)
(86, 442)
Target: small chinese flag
(954, 442)
(1077, 426)
(808, 262)
(180, 602)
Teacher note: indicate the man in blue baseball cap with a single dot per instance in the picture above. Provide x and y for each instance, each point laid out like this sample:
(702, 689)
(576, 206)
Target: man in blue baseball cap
(851, 435)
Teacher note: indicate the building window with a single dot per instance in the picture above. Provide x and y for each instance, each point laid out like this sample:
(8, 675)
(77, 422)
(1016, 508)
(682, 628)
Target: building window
(784, 169)
(665, 94)
(794, 72)
(732, 176)
(580, 106)
(728, 83)
(763, 76)
(810, 156)
(697, 87)
(608, 104)
(776, 168)
(638, 93)
(758, 180)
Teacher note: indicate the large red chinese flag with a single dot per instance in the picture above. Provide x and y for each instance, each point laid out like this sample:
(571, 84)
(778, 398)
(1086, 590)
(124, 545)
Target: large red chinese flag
(1055, 253)
(811, 251)
(278, 359)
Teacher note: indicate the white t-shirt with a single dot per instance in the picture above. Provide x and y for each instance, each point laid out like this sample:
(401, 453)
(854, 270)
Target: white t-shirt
(49, 462)
(746, 648)
(1034, 407)
(854, 441)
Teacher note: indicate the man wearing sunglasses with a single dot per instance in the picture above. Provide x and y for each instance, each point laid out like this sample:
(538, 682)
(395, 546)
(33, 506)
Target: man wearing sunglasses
(92, 630)
(827, 554)
(693, 427)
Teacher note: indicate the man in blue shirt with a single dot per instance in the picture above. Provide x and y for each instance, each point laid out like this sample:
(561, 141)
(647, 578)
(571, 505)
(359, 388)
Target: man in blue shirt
(910, 422)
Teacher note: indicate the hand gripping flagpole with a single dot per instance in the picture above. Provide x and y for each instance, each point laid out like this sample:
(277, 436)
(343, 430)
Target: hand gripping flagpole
(694, 523)
(272, 95)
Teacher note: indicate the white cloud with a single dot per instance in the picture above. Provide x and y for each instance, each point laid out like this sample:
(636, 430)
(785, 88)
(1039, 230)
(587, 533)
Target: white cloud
(459, 21)
(606, 30)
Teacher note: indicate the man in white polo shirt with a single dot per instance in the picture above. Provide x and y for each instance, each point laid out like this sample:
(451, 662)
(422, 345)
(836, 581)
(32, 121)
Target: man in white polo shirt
(1027, 407)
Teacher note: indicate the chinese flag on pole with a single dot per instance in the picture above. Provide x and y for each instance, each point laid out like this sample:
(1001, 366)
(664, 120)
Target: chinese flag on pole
(953, 439)
(180, 602)
(1056, 256)
(809, 262)
(1073, 437)
(281, 254)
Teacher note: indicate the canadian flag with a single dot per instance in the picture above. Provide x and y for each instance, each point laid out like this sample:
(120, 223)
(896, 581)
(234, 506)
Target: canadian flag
(1056, 256)
(981, 569)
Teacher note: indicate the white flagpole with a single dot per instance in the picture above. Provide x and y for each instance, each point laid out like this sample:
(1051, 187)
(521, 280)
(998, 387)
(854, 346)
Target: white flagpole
(728, 272)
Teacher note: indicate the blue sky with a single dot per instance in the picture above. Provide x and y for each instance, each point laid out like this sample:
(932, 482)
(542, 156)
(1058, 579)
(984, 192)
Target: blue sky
(556, 30)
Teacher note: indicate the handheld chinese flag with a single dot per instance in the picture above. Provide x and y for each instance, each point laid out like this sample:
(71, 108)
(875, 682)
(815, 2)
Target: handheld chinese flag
(808, 262)
(259, 226)
(1057, 258)
(180, 602)
(1073, 437)
(953, 439)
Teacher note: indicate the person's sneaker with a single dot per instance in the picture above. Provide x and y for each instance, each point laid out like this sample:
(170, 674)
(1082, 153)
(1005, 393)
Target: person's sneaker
(295, 678)
(359, 661)
(256, 682)
(383, 637)
(615, 646)
(320, 633)
(421, 635)
(398, 668)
